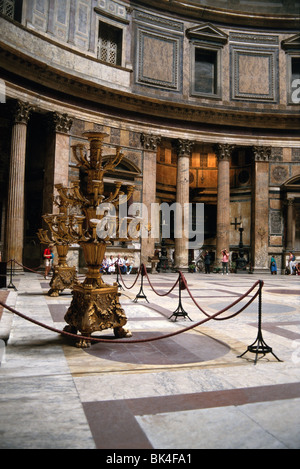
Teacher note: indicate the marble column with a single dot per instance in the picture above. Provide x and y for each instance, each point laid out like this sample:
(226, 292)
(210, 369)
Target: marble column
(16, 186)
(150, 144)
(223, 152)
(181, 254)
(260, 209)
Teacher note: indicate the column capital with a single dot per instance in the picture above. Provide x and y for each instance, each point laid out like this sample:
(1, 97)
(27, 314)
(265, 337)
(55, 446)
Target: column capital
(21, 112)
(223, 151)
(184, 147)
(150, 142)
(60, 123)
(290, 201)
(261, 153)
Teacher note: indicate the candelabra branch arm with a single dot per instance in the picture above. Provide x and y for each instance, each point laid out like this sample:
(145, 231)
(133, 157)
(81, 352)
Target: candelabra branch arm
(81, 160)
(113, 196)
(64, 196)
(78, 197)
(43, 236)
(113, 161)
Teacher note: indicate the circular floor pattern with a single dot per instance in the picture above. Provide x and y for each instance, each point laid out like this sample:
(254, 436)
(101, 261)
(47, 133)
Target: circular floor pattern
(178, 350)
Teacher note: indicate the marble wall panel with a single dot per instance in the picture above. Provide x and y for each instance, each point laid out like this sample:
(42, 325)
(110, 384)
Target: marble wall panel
(158, 59)
(254, 74)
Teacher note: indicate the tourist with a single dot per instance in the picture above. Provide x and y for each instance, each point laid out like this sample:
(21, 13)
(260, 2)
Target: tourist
(225, 259)
(104, 266)
(273, 266)
(128, 265)
(111, 265)
(291, 262)
(121, 264)
(207, 261)
(48, 260)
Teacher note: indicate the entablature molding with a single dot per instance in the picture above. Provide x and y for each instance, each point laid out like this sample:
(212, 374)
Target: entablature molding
(113, 98)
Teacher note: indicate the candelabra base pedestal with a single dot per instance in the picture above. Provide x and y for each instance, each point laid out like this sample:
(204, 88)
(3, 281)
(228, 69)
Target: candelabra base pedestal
(63, 277)
(95, 309)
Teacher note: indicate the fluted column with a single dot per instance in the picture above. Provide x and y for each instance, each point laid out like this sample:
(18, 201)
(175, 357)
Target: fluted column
(181, 255)
(150, 144)
(223, 152)
(15, 206)
(260, 209)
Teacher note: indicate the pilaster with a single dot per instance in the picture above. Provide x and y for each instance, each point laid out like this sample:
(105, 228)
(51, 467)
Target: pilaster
(260, 209)
(57, 157)
(150, 145)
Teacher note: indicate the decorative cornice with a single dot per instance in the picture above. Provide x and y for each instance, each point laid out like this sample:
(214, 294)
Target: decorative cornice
(208, 33)
(292, 43)
(192, 9)
(115, 99)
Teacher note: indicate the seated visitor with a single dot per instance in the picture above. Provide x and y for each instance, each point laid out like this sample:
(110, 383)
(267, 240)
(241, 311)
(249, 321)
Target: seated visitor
(104, 266)
(111, 265)
(120, 262)
(128, 265)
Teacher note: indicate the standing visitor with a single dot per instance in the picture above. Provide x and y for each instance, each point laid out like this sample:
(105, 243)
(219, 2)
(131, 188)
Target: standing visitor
(48, 260)
(225, 259)
(292, 259)
(273, 266)
(207, 261)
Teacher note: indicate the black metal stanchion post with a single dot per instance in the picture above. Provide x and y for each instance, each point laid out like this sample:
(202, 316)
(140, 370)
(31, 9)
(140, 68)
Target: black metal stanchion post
(180, 310)
(11, 285)
(141, 293)
(259, 346)
(119, 285)
(3, 273)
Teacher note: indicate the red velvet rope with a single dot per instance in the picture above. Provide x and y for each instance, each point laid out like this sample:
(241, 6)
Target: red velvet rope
(94, 339)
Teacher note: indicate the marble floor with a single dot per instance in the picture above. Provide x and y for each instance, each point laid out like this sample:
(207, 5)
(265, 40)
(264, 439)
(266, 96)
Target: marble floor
(189, 390)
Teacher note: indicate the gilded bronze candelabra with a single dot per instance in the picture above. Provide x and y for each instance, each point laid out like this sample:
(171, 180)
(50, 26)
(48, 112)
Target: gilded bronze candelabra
(64, 276)
(95, 305)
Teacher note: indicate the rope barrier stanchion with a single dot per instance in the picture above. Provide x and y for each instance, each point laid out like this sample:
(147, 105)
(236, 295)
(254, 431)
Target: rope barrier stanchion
(110, 341)
(259, 346)
(180, 311)
(11, 284)
(141, 293)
